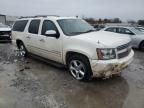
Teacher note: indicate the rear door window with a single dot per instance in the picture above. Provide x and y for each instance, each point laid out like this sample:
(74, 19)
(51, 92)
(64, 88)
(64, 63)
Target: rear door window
(20, 25)
(111, 29)
(124, 31)
(34, 26)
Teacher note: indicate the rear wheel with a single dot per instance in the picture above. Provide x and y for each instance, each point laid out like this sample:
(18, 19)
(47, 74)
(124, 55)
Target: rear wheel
(141, 47)
(22, 49)
(79, 67)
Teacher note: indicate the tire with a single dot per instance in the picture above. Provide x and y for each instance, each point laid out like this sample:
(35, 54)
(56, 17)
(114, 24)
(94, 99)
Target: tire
(141, 47)
(22, 49)
(79, 67)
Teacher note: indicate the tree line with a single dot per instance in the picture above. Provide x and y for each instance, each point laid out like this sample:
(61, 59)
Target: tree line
(114, 20)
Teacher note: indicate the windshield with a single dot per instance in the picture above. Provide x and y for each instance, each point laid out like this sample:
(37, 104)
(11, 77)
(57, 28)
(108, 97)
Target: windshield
(3, 26)
(72, 27)
(136, 31)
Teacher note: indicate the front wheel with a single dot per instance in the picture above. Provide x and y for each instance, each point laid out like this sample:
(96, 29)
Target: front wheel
(79, 67)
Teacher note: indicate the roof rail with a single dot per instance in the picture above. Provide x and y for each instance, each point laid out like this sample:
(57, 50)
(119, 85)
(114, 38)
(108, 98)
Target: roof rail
(37, 16)
(46, 15)
(26, 17)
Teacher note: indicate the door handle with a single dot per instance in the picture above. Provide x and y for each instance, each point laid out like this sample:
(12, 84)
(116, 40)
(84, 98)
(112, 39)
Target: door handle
(42, 40)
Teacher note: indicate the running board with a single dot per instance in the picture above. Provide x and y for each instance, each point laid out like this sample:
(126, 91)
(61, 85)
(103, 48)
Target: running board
(51, 62)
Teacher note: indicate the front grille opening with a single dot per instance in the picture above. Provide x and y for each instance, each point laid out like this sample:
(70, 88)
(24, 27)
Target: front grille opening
(124, 54)
(123, 46)
(126, 47)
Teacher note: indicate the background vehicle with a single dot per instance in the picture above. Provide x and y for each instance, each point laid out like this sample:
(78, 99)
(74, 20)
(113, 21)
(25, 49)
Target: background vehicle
(73, 42)
(140, 29)
(5, 33)
(136, 35)
(98, 26)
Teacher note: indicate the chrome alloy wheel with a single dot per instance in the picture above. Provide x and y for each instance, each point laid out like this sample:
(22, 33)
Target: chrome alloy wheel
(77, 69)
(22, 50)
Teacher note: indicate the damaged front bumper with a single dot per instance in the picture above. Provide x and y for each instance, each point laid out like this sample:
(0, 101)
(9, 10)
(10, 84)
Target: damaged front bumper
(106, 68)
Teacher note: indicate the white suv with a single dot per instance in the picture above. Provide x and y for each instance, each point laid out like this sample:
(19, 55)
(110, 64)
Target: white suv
(73, 42)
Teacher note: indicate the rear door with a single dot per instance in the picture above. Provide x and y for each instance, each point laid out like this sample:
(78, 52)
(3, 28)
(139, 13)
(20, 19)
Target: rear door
(32, 36)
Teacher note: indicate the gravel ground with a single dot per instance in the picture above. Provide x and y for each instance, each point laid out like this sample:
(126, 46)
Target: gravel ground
(31, 83)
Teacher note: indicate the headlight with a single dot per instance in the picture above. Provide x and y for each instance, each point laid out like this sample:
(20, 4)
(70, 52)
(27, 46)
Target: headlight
(106, 54)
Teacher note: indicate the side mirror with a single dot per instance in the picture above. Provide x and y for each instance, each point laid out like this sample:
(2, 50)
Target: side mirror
(52, 33)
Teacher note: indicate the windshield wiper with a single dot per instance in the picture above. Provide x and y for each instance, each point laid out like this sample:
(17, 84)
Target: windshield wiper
(77, 33)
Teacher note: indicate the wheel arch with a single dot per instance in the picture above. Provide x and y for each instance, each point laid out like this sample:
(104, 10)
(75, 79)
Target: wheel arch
(70, 53)
(85, 58)
(140, 43)
(18, 41)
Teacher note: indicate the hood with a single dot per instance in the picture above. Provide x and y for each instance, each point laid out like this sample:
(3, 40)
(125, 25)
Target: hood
(5, 29)
(106, 39)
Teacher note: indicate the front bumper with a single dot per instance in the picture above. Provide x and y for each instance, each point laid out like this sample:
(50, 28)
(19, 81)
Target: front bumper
(5, 35)
(106, 68)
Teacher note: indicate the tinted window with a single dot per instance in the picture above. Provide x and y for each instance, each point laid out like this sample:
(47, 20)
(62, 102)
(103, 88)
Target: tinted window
(34, 26)
(112, 29)
(48, 25)
(20, 25)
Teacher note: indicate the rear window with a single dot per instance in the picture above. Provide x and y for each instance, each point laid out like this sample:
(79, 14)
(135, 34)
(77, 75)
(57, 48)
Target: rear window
(20, 25)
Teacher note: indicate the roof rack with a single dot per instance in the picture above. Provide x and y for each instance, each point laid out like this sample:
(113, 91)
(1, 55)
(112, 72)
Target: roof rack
(37, 16)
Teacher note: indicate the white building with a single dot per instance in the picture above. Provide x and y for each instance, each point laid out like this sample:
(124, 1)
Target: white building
(8, 20)
(2, 19)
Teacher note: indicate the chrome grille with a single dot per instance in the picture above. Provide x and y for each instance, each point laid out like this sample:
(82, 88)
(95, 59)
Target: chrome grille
(5, 32)
(124, 54)
(123, 50)
(123, 46)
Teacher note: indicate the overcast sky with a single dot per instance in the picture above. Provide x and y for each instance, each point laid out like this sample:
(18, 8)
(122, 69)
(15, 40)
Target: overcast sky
(124, 9)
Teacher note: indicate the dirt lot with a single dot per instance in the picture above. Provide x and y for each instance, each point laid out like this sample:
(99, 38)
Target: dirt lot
(31, 83)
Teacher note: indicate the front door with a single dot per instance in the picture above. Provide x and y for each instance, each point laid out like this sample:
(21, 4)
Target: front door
(51, 46)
